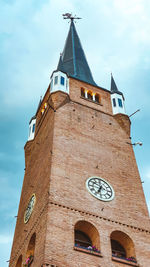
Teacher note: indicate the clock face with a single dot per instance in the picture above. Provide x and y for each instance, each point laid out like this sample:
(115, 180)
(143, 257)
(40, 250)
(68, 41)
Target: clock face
(100, 188)
(29, 208)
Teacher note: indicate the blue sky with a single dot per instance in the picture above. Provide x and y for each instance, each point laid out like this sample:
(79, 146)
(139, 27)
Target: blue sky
(115, 37)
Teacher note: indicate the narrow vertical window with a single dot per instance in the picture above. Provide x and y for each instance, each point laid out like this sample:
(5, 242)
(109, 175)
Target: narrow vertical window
(56, 80)
(62, 80)
(82, 92)
(120, 102)
(114, 102)
(97, 98)
(89, 95)
(33, 128)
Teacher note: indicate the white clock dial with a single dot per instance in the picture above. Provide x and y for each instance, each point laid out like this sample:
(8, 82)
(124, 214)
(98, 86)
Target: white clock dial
(29, 208)
(100, 188)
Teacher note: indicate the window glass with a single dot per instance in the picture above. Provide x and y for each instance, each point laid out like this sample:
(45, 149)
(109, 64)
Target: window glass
(56, 80)
(114, 102)
(33, 128)
(120, 102)
(62, 80)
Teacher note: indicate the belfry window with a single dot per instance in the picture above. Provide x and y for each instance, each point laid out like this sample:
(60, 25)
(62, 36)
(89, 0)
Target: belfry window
(82, 92)
(89, 95)
(62, 80)
(56, 80)
(120, 103)
(97, 98)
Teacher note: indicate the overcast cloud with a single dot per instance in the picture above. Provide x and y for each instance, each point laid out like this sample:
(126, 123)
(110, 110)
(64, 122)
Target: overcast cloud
(115, 35)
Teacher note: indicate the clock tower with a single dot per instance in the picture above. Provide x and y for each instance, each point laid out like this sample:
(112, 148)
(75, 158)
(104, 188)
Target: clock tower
(82, 202)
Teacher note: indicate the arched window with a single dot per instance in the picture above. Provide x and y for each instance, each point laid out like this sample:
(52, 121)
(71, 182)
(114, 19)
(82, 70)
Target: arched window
(82, 92)
(30, 250)
(19, 262)
(122, 246)
(81, 239)
(89, 95)
(97, 98)
(117, 249)
(86, 236)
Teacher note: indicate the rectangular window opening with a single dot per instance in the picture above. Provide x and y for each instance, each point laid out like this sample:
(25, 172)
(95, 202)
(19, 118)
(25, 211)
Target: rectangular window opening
(120, 103)
(56, 80)
(82, 92)
(33, 128)
(114, 102)
(62, 80)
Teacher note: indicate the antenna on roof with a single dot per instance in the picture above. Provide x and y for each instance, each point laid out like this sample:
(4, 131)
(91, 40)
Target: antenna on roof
(69, 16)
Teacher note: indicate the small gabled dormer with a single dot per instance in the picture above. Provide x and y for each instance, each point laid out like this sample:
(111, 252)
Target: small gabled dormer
(59, 82)
(117, 99)
(32, 128)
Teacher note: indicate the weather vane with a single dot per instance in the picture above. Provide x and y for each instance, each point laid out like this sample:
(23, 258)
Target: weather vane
(69, 16)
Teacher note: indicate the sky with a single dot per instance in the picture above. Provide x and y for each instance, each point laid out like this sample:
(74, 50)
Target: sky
(115, 36)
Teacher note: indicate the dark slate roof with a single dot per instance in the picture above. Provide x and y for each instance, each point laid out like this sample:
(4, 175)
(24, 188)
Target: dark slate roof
(73, 60)
(113, 87)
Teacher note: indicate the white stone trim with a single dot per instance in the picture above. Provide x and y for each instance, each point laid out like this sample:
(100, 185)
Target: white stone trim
(59, 87)
(117, 109)
(31, 128)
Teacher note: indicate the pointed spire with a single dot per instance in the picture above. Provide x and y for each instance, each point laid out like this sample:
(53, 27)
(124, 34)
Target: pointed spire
(113, 87)
(60, 64)
(73, 60)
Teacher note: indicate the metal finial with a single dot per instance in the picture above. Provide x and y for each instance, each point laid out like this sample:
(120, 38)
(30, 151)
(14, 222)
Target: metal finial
(69, 16)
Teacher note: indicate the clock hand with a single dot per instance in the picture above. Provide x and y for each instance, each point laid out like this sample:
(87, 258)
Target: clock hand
(96, 183)
(100, 188)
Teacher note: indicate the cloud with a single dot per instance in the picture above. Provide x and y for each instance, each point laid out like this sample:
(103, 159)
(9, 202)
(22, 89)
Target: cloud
(115, 37)
(4, 239)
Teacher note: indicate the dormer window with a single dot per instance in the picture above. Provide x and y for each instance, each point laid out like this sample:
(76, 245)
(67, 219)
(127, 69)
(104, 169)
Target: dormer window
(56, 80)
(120, 103)
(33, 128)
(62, 80)
(114, 102)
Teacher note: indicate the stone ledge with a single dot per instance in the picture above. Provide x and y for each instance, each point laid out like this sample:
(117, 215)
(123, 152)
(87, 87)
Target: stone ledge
(100, 217)
(88, 251)
(125, 261)
(87, 99)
